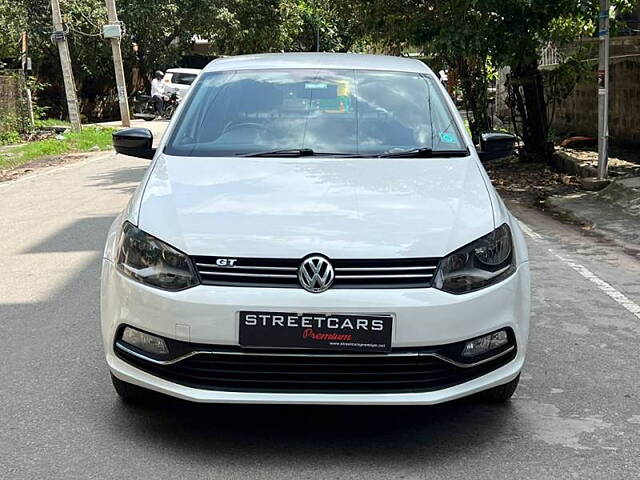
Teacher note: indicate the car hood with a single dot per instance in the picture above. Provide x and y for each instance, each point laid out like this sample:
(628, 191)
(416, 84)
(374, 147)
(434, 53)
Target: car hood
(291, 207)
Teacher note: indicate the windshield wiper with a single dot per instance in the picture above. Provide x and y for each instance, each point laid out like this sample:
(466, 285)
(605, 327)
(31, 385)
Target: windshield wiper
(424, 152)
(298, 152)
(290, 152)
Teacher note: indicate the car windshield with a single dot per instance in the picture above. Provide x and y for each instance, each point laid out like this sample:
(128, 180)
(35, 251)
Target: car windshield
(358, 112)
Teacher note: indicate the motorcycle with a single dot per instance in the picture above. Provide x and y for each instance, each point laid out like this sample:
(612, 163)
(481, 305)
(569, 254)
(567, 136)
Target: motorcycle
(144, 107)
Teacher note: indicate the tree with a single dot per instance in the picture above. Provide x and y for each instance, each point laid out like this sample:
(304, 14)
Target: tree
(244, 26)
(472, 36)
(12, 21)
(449, 32)
(304, 21)
(467, 51)
(475, 35)
(523, 29)
(156, 36)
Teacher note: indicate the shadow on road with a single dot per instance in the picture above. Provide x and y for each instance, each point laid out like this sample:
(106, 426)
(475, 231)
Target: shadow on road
(123, 180)
(299, 431)
(84, 234)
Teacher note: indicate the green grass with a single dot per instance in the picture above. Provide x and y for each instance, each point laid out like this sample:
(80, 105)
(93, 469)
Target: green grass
(52, 147)
(52, 122)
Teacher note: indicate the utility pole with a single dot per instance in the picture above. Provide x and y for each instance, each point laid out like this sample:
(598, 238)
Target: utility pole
(113, 32)
(59, 36)
(603, 90)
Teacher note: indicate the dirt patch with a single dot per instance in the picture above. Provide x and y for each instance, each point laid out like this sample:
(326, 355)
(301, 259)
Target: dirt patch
(45, 162)
(529, 183)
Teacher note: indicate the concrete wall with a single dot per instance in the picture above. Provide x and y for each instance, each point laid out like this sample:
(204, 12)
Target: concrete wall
(578, 113)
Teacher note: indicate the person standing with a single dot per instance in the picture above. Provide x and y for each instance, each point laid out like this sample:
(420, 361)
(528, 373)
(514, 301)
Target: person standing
(157, 92)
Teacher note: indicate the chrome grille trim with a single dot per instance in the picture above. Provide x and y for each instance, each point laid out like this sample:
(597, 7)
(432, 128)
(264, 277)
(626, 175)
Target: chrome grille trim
(247, 267)
(377, 269)
(390, 276)
(243, 274)
(389, 273)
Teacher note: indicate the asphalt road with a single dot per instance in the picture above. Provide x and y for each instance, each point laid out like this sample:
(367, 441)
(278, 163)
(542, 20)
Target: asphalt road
(576, 413)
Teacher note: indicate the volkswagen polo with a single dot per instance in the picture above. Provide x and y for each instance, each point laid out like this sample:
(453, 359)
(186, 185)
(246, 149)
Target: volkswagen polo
(314, 228)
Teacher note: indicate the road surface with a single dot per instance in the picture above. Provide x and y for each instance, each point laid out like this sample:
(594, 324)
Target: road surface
(576, 413)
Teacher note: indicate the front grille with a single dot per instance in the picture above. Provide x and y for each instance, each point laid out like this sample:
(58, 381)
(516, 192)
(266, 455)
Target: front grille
(403, 370)
(273, 272)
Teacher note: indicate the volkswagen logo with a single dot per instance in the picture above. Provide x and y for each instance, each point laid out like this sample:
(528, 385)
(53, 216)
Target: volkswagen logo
(316, 274)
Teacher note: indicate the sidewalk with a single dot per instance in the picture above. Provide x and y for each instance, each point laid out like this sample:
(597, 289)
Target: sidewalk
(613, 212)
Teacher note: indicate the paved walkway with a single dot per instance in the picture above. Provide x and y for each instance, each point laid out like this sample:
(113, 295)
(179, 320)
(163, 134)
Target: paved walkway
(157, 127)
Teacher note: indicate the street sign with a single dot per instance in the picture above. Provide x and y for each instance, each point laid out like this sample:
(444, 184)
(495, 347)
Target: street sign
(112, 30)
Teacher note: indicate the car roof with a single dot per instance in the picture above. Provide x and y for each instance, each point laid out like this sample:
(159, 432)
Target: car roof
(184, 70)
(336, 61)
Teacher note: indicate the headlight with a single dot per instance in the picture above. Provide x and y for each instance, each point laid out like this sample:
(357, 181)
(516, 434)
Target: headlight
(148, 260)
(484, 262)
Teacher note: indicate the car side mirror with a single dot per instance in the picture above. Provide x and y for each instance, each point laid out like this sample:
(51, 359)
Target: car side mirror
(496, 145)
(135, 142)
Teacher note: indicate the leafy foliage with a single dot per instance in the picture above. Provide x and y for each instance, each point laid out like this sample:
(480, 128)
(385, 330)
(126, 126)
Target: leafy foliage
(158, 34)
(474, 37)
(12, 22)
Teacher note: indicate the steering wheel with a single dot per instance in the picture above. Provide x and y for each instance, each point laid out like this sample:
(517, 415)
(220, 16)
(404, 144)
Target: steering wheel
(236, 126)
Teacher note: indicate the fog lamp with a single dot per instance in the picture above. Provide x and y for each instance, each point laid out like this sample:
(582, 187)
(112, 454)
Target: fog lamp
(144, 341)
(481, 345)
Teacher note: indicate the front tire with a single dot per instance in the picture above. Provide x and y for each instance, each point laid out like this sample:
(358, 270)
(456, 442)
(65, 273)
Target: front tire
(499, 394)
(127, 392)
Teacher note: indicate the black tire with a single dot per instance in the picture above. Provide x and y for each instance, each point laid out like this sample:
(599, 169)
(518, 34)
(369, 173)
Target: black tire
(127, 392)
(499, 394)
(149, 119)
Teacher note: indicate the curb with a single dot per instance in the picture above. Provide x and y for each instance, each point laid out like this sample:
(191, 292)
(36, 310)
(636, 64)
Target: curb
(567, 164)
(624, 193)
(554, 204)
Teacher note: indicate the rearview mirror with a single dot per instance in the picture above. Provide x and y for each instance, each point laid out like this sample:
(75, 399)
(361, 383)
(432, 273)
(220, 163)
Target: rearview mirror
(496, 145)
(135, 142)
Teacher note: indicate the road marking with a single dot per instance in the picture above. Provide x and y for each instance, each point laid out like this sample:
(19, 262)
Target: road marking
(529, 231)
(616, 295)
(607, 288)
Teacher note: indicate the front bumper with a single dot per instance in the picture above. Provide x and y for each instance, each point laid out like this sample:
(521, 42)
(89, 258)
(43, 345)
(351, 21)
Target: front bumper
(208, 315)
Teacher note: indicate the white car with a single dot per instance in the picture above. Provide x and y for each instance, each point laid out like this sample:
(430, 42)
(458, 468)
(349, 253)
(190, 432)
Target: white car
(178, 80)
(314, 229)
